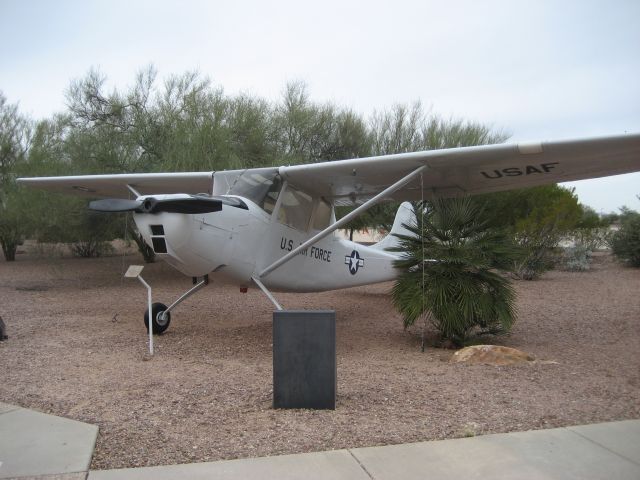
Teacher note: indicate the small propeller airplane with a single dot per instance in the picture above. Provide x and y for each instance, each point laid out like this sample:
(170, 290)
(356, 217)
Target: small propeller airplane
(275, 227)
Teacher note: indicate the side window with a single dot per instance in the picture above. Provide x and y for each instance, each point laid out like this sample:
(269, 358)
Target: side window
(295, 209)
(270, 199)
(322, 216)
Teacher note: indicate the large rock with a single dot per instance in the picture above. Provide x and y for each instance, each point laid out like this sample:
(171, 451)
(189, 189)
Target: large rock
(490, 355)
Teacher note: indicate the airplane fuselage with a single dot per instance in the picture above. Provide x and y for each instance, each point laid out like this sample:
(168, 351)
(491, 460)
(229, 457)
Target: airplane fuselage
(238, 244)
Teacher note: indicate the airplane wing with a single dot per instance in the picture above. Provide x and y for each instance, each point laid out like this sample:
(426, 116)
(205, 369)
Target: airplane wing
(115, 186)
(469, 170)
(448, 173)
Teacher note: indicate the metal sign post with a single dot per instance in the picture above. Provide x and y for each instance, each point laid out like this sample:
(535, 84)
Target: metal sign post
(134, 271)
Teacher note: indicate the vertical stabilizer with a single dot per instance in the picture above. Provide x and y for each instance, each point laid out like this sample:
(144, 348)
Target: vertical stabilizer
(405, 215)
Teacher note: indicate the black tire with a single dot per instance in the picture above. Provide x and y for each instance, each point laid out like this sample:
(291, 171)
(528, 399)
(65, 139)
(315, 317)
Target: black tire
(157, 324)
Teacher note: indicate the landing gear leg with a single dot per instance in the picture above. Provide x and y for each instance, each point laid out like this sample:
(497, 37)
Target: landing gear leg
(161, 314)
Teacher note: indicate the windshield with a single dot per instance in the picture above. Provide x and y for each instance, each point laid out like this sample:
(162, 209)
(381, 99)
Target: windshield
(260, 185)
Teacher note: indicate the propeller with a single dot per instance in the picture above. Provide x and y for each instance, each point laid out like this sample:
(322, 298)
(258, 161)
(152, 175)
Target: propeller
(188, 205)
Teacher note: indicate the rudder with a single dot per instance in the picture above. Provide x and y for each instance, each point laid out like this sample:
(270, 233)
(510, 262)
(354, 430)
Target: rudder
(404, 215)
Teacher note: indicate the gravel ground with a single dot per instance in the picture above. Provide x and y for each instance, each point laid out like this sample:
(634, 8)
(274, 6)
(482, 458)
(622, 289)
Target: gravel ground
(77, 349)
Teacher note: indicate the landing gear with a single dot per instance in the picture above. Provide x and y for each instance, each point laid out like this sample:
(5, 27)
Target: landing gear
(161, 314)
(160, 318)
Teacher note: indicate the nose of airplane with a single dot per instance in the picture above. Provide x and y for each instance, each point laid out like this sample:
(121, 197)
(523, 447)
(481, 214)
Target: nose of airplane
(180, 241)
(164, 230)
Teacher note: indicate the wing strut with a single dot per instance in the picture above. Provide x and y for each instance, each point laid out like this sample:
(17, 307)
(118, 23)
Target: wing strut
(133, 190)
(347, 218)
(267, 293)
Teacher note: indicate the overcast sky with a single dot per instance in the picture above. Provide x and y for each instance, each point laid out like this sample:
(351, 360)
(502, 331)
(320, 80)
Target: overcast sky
(540, 70)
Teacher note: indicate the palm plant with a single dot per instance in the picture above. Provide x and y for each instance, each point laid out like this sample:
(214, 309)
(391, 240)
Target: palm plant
(450, 267)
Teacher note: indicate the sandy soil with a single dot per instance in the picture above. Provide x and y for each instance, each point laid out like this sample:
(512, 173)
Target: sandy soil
(77, 349)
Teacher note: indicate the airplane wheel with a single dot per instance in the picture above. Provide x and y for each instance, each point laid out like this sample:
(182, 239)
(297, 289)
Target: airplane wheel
(158, 324)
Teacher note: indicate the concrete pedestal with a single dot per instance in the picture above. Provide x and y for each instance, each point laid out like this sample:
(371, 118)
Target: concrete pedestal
(304, 359)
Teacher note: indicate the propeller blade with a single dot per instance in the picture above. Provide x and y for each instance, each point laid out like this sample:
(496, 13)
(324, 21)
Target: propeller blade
(115, 205)
(188, 205)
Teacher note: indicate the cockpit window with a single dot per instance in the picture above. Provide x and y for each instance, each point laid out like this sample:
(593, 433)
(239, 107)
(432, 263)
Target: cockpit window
(322, 215)
(258, 185)
(295, 209)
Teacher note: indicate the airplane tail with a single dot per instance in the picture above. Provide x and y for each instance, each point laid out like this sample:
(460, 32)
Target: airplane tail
(404, 215)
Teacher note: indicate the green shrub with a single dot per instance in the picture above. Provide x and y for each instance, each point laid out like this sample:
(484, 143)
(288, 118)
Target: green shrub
(92, 248)
(538, 218)
(592, 238)
(538, 256)
(625, 243)
(577, 258)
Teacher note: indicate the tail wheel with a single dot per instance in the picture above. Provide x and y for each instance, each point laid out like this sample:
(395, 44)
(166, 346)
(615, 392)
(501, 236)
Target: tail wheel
(159, 322)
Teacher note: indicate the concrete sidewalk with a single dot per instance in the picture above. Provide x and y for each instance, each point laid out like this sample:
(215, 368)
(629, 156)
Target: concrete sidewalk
(34, 444)
(601, 451)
